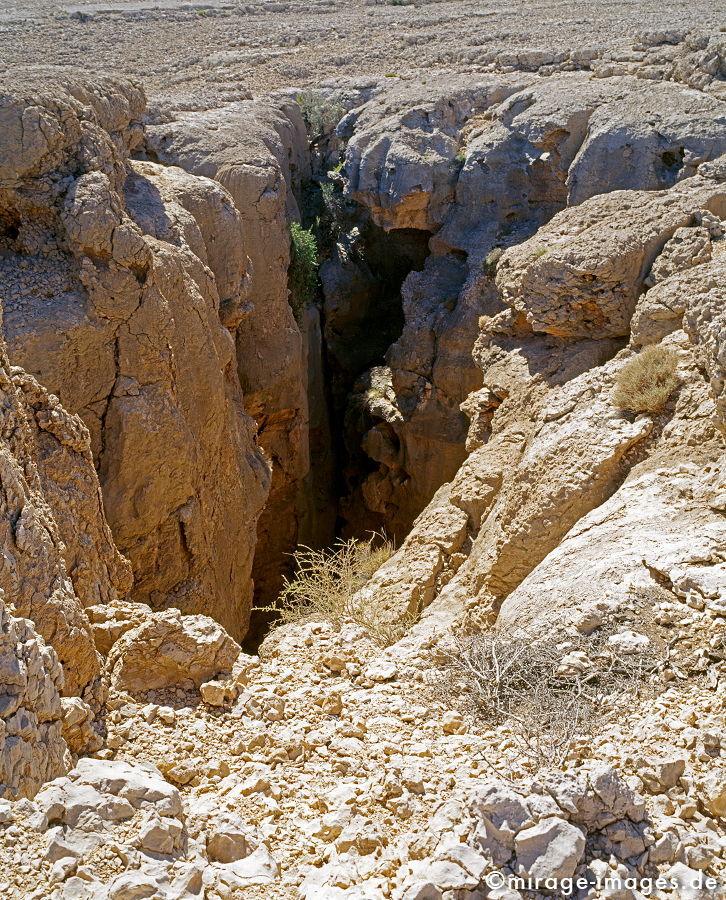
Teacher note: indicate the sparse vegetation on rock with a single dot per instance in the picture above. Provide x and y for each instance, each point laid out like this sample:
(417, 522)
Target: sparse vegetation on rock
(320, 111)
(327, 586)
(303, 272)
(552, 694)
(646, 382)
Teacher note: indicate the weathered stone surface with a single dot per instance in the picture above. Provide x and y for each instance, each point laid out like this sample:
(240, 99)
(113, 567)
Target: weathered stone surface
(70, 485)
(550, 849)
(78, 730)
(258, 151)
(705, 322)
(32, 747)
(650, 527)
(46, 467)
(132, 340)
(548, 444)
(507, 157)
(169, 648)
(580, 277)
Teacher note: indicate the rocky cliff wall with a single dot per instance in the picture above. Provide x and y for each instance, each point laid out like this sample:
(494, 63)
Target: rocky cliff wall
(259, 151)
(479, 167)
(554, 465)
(111, 277)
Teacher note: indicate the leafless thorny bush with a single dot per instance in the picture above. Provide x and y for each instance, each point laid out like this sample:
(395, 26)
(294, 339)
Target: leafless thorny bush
(520, 680)
(327, 585)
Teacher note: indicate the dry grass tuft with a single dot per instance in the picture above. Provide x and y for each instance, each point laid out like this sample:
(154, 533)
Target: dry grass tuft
(327, 586)
(645, 382)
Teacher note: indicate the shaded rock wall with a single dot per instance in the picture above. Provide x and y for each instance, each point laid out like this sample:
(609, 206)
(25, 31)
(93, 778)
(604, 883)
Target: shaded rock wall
(259, 152)
(481, 167)
(111, 293)
(549, 487)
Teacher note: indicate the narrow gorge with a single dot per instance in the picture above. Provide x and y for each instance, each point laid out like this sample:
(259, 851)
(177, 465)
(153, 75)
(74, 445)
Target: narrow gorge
(474, 313)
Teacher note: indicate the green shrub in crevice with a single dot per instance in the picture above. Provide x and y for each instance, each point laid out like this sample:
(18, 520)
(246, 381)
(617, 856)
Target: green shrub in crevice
(302, 276)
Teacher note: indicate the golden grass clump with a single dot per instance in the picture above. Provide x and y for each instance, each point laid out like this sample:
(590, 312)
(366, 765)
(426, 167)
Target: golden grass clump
(327, 586)
(645, 382)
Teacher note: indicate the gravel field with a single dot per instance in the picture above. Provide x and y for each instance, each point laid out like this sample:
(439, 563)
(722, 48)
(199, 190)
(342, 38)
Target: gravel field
(196, 53)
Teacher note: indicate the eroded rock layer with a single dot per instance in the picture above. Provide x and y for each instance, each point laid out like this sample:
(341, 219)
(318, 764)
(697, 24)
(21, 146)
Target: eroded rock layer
(111, 278)
(514, 352)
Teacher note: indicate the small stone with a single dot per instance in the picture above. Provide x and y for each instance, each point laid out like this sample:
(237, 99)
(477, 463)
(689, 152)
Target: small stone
(229, 839)
(331, 704)
(713, 792)
(380, 671)
(628, 642)
(159, 834)
(167, 715)
(452, 722)
(218, 693)
(180, 773)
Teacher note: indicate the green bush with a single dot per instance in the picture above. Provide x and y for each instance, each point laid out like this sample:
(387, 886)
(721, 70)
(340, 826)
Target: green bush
(321, 113)
(645, 382)
(333, 202)
(302, 276)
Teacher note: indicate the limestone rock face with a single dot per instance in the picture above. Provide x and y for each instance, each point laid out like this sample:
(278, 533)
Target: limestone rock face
(112, 301)
(57, 548)
(258, 152)
(507, 155)
(32, 748)
(169, 649)
(705, 322)
(658, 524)
(99, 573)
(557, 473)
(612, 240)
(401, 157)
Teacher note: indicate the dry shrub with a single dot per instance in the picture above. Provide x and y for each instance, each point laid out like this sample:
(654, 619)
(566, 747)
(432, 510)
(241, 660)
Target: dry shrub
(645, 382)
(518, 680)
(327, 586)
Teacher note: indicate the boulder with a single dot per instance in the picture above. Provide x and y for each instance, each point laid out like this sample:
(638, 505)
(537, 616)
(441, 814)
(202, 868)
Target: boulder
(168, 649)
(229, 839)
(123, 787)
(550, 849)
(110, 620)
(78, 730)
(713, 792)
